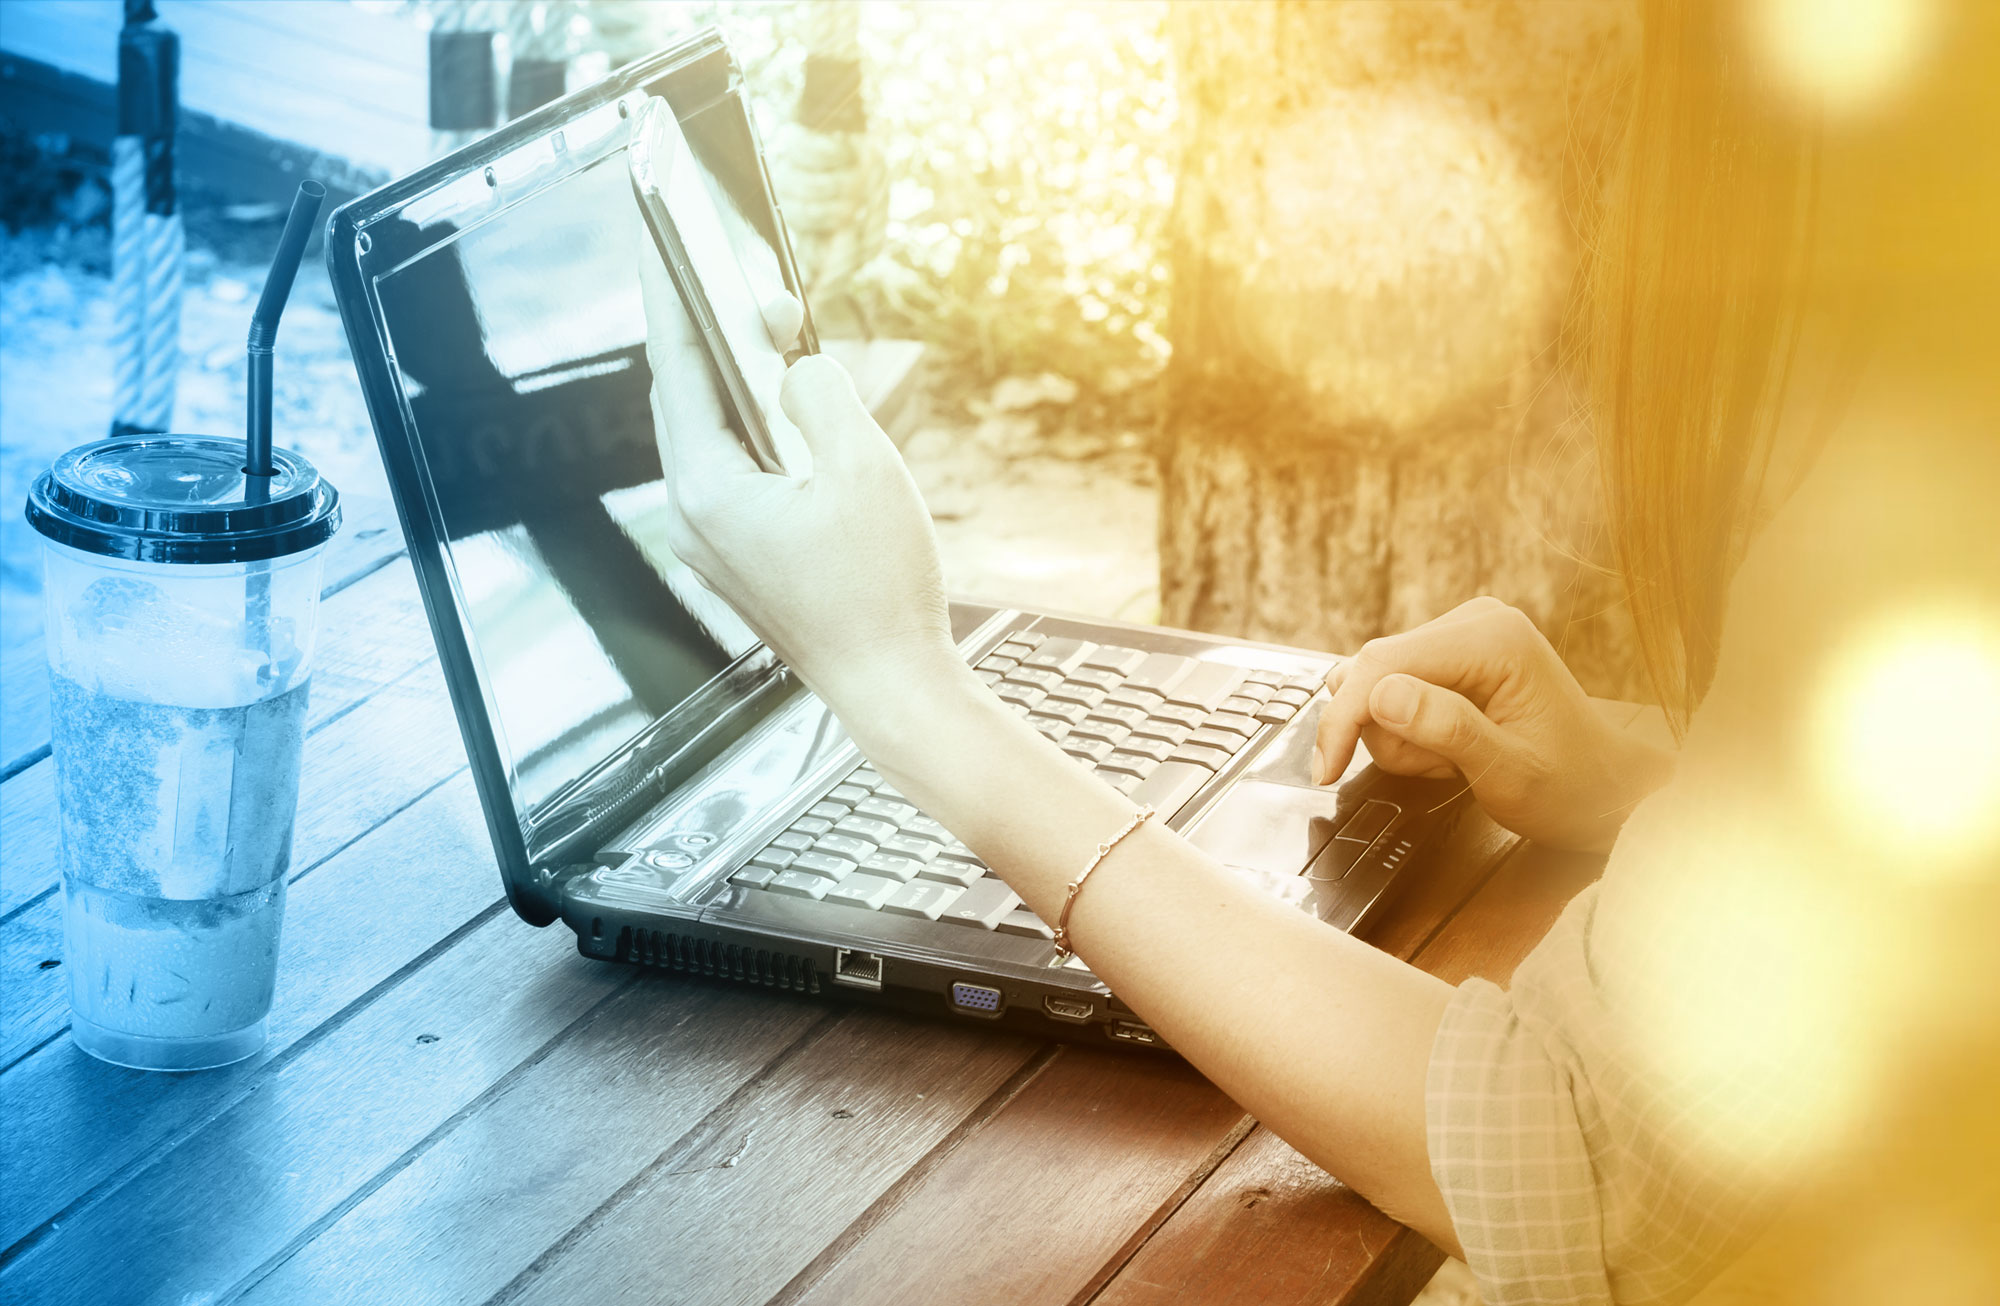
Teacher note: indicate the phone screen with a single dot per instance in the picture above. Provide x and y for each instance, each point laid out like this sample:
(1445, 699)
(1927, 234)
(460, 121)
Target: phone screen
(726, 272)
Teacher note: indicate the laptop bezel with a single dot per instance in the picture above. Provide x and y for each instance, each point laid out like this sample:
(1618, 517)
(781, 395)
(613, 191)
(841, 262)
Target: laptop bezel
(675, 744)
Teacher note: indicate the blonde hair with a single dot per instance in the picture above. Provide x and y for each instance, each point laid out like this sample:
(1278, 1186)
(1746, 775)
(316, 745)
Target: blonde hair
(1716, 257)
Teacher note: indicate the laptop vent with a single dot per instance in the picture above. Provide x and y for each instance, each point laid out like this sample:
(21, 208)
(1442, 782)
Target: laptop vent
(780, 970)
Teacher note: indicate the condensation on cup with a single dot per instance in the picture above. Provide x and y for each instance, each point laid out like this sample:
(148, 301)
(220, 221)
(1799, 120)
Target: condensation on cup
(182, 603)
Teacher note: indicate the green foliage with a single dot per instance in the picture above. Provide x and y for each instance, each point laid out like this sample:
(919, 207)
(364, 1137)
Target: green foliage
(1030, 164)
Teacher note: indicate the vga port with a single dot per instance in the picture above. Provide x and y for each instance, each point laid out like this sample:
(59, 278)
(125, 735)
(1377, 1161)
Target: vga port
(975, 999)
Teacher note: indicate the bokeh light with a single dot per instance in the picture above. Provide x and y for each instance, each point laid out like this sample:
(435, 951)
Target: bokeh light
(1843, 54)
(1906, 744)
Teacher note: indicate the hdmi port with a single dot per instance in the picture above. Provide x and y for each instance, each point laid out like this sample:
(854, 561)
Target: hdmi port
(1069, 1008)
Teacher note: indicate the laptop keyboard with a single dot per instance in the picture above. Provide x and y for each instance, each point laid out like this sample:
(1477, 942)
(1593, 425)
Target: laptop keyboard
(1156, 726)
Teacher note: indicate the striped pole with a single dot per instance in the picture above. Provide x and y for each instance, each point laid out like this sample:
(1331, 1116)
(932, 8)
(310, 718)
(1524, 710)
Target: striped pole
(147, 243)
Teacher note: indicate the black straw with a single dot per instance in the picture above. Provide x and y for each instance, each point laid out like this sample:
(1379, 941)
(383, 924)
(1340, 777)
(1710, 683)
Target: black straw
(264, 323)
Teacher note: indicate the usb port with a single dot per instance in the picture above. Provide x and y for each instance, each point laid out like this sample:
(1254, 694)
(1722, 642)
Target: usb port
(1129, 1031)
(1069, 1008)
(975, 999)
(862, 970)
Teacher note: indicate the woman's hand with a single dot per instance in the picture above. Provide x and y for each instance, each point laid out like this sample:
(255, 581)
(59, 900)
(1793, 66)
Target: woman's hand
(836, 569)
(1480, 693)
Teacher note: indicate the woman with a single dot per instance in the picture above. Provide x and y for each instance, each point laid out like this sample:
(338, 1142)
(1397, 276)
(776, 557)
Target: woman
(1794, 282)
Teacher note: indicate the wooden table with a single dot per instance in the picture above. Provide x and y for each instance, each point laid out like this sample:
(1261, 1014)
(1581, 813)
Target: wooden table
(454, 1107)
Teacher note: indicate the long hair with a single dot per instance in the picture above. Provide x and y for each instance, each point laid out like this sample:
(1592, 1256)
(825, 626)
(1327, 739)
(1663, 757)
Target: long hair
(1706, 239)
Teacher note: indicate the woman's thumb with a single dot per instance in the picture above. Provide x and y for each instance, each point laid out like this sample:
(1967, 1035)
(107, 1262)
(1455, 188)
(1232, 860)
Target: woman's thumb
(1435, 718)
(820, 400)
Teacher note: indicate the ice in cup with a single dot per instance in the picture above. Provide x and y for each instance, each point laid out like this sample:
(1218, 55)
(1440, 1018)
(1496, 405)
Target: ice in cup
(181, 607)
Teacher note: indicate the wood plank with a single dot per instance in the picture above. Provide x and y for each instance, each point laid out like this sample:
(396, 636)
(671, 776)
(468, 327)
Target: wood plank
(1273, 1227)
(381, 905)
(373, 632)
(368, 539)
(734, 1211)
(1096, 1148)
(320, 1125)
(564, 1138)
(359, 769)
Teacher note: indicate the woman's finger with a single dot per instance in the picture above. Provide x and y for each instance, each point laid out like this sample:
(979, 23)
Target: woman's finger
(694, 432)
(784, 318)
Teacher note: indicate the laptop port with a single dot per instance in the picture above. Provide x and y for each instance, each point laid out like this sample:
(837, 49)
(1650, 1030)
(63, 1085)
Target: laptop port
(862, 970)
(1128, 1031)
(1069, 1008)
(975, 999)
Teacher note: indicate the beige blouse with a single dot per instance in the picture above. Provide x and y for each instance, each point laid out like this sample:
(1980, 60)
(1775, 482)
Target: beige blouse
(1781, 934)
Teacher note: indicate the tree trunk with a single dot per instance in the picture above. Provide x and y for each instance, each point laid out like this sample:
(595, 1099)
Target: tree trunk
(1376, 258)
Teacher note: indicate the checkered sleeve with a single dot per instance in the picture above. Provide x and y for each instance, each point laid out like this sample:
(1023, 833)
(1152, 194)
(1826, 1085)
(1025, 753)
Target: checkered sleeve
(1570, 1172)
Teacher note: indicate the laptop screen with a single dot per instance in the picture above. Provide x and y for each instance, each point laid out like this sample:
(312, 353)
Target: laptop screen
(510, 304)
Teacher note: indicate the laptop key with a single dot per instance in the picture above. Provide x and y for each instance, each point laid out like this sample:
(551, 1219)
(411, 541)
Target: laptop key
(867, 777)
(1123, 781)
(900, 869)
(1128, 717)
(987, 678)
(893, 810)
(812, 827)
(774, 859)
(985, 903)
(1026, 697)
(1053, 727)
(825, 865)
(1100, 677)
(827, 810)
(1091, 750)
(925, 828)
(869, 891)
(753, 876)
(1234, 723)
(1293, 697)
(996, 662)
(1268, 679)
(1029, 640)
(1067, 713)
(1044, 678)
(1308, 682)
(798, 884)
(1169, 787)
(1124, 661)
(1242, 704)
(865, 827)
(1149, 745)
(1276, 714)
(912, 846)
(925, 898)
(1225, 741)
(958, 852)
(842, 845)
(1061, 654)
(1130, 695)
(1131, 763)
(795, 840)
(847, 793)
(1212, 758)
(1206, 686)
(1179, 713)
(957, 873)
(1111, 732)
(1023, 921)
(1083, 696)
(1160, 672)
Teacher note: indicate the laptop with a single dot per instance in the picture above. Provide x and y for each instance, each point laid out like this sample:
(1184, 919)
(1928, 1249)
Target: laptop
(651, 775)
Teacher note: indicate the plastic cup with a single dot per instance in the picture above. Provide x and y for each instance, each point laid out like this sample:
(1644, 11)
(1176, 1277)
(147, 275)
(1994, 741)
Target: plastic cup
(180, 622)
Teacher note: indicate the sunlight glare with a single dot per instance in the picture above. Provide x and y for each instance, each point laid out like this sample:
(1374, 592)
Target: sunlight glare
(1907, 749)
(1846, 54)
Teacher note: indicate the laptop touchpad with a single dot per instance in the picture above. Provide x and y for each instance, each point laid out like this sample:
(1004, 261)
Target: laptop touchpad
(1275, 828)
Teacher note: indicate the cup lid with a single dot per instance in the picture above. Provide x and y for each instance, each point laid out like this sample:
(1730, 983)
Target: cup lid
(180, 499)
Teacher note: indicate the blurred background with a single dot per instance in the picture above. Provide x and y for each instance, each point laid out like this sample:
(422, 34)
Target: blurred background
(1255, 317)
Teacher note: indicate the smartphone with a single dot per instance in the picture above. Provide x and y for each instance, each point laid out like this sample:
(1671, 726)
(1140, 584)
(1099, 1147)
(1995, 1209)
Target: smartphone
(725, 271)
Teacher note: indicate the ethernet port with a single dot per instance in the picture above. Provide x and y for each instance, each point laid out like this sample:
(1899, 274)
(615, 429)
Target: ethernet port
(861, 970)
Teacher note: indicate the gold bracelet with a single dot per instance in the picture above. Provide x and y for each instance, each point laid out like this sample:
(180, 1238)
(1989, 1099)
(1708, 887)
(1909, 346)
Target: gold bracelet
(1063, 951)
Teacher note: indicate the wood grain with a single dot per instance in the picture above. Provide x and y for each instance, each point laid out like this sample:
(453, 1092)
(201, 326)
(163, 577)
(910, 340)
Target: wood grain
(319, 1126)
(1030, 1206)
(383, 905)
(479, 1204)
(747, 1201)
(360, 769)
